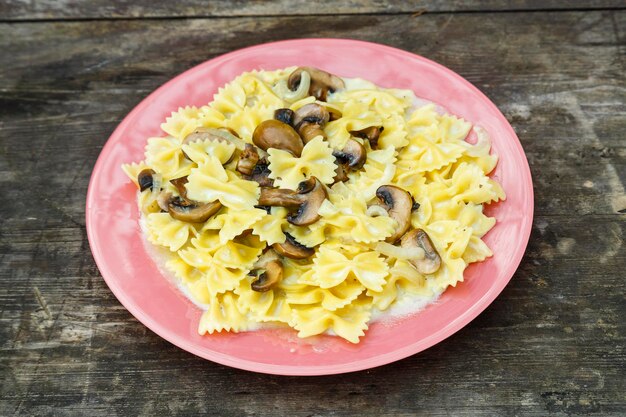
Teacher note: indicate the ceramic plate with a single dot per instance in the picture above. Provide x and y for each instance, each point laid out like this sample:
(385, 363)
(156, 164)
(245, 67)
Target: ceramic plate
(116, 242)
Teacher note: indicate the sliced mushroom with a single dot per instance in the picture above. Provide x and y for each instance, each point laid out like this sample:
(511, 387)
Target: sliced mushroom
(309, 120)
(370, 133)
(306, 201)
(322, 82)
(431, 262)
(341, 173)
(353, 154)
(145, 179)
(275, 134)
(247, 160)
(291, 248)
(192, 212)
(272, 275)
(179, 183)
(398, 204)
(260, 174)
(284, 115)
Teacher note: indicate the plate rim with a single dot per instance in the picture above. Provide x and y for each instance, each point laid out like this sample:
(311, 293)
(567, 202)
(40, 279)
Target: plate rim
(312, 370)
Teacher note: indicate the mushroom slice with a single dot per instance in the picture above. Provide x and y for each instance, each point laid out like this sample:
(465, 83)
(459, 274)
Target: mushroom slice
(322, 82)
(247, 160)
(293, 249)
(370, 133)
(310, 120)
(430, 263)
(353, 154)
(260, 174)
(275, 134)
(307, 213)
(145, 179)
(306, 201)
(398, 204)
(179, 183)
(284, 115)
(272, 275)
(191, 211)
(341, 173)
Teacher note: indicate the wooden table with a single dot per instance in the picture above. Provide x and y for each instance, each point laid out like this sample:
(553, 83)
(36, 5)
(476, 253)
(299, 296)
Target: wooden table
(551, 345)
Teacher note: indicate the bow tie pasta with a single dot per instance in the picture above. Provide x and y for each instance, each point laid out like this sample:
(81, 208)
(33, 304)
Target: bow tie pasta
(303, 199)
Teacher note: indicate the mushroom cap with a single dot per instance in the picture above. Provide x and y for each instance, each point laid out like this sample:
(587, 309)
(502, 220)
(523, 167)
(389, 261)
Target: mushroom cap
(308, 211)
(247, 160)
(311, 113)
(284, 115)
(398, 204)
(431, 262)
(273, 275)
(192, 212)
(353, 154)
(370, 133)
(275, 134)
(144, 179)
(291, 248)
(322, 82)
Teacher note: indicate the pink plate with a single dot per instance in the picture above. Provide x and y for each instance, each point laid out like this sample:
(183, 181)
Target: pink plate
(115, 237)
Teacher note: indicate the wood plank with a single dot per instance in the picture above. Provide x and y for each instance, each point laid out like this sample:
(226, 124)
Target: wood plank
(16, 10)
(551, 344)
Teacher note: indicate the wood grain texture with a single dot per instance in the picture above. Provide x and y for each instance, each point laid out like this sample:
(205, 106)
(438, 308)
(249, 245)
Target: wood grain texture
(551, 345)
(90, 9)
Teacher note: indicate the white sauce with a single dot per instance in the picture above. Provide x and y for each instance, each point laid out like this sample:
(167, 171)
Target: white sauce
(404, 305)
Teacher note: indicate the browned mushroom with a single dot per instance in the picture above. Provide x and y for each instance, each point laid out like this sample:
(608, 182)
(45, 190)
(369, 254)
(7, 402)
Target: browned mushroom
(284, 115)
(305, 201)
(191, 211)
(260, 174)
(309, 120)
(179, 183)
(275, 134)
(353, 155)
(398, 204)
(291, 248)
(269, 269)
(145, 179)
(431, 262)
(341, 173)
(272, 275)
(322, 82)
(371, 133)
(247, 160)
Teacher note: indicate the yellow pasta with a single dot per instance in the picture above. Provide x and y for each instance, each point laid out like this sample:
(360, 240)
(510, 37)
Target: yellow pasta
(324, 264)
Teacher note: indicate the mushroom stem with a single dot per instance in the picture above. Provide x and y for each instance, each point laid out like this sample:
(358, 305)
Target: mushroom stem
(279, 197)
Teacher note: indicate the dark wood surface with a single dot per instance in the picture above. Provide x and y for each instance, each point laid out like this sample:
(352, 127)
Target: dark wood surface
(551, 345)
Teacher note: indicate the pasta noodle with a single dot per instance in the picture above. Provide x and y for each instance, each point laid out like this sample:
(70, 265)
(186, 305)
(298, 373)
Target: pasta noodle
(375, 201)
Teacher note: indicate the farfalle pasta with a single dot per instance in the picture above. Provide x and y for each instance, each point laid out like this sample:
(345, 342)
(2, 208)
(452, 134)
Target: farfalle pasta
(299, 198)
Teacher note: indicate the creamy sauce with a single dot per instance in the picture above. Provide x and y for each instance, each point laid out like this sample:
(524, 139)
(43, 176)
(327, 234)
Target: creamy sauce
(404, 305)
